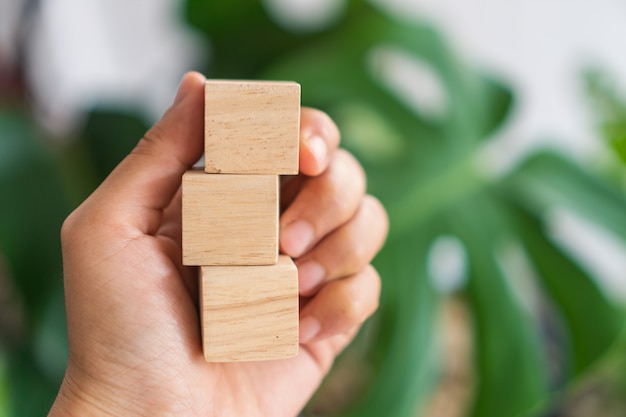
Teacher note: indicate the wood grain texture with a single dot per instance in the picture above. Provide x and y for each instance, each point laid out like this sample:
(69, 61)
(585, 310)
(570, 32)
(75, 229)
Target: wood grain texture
(229, 219)
(249, 313)
(252, 127)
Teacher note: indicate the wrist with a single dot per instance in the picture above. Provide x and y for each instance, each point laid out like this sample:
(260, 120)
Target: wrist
(70, 402)
(83, 399)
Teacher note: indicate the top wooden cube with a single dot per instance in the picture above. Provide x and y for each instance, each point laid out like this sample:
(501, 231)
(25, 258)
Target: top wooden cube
(252, 127)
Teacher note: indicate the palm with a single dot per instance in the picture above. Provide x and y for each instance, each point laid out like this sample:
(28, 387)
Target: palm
(163, 325)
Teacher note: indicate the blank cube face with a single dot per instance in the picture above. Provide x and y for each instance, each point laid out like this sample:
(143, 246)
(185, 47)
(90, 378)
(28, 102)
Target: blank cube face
(250, 313)
(229, 219)
(252, 127)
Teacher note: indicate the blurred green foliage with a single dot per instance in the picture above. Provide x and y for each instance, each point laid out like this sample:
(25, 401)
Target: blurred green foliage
(610, 110)
(603, 391)
(41, 181)
(427, 168)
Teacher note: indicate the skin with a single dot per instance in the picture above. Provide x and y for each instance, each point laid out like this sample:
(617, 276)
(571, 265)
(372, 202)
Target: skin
(132, 307)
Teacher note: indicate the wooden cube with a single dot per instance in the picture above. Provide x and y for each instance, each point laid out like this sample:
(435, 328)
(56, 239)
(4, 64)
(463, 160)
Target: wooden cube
(229, 219)
(249, 313)
(252, 127)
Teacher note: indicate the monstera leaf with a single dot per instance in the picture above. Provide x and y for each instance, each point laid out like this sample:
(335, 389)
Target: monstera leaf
(429, 173)
(427, 167)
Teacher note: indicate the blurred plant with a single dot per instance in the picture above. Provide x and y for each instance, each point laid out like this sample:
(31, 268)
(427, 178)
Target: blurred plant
(609, 108)
(424, 154)
(41, 180)
(603, 390)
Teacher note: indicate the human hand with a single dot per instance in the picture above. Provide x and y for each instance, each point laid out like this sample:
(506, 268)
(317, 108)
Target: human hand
(133, 324)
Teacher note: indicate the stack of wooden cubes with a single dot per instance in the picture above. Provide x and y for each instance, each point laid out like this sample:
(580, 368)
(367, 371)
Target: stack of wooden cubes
(248, 292)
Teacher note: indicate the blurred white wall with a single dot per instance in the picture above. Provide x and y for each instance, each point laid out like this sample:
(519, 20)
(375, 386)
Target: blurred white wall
(117, 52)
(540, 48)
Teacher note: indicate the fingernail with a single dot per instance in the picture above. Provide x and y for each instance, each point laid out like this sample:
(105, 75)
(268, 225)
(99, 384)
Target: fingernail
(310, 275)
(317, 147)
(296, 238)
(309, 328)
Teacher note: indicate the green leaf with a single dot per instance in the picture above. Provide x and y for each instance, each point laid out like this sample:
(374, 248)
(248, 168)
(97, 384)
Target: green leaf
(242, 36)
(4, 387)
(336, 68)
(547, 180)
(31, 213)
(512, 375)
(405, 356)
(30, 220)
(50, 344)
(592, 322)
(32, 394)
(496, 103)
(221, 18)
(429, 165)
(109, 136)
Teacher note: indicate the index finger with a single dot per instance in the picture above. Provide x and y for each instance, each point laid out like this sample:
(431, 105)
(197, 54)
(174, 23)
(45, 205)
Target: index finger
(319, 138)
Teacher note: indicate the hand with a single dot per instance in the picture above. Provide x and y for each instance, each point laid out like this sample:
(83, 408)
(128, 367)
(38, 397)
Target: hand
(133, 325)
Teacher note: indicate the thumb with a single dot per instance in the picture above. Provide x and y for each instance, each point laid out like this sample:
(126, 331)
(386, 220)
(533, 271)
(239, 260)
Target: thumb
(145, 182)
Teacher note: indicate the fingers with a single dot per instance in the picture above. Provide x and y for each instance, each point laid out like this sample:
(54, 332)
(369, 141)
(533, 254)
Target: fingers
(343, 286)
(143, 184)
(319, 137)
(340, 306)
(322, 204)
(333, 230)
(346, 250)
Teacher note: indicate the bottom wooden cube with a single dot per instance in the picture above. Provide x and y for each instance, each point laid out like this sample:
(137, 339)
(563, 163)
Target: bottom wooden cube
(249, 313)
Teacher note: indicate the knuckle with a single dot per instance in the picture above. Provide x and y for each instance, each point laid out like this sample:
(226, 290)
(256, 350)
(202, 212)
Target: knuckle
(359, 254)
(339, 207)
(150, 140)
(377, 211)
(155, 134)
(353, 308)
(361, 295)
(366, 231)
(350, 168)
(376, 207)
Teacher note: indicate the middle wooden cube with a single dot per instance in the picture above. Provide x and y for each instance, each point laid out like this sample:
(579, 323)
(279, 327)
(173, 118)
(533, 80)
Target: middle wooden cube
(229, 219)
